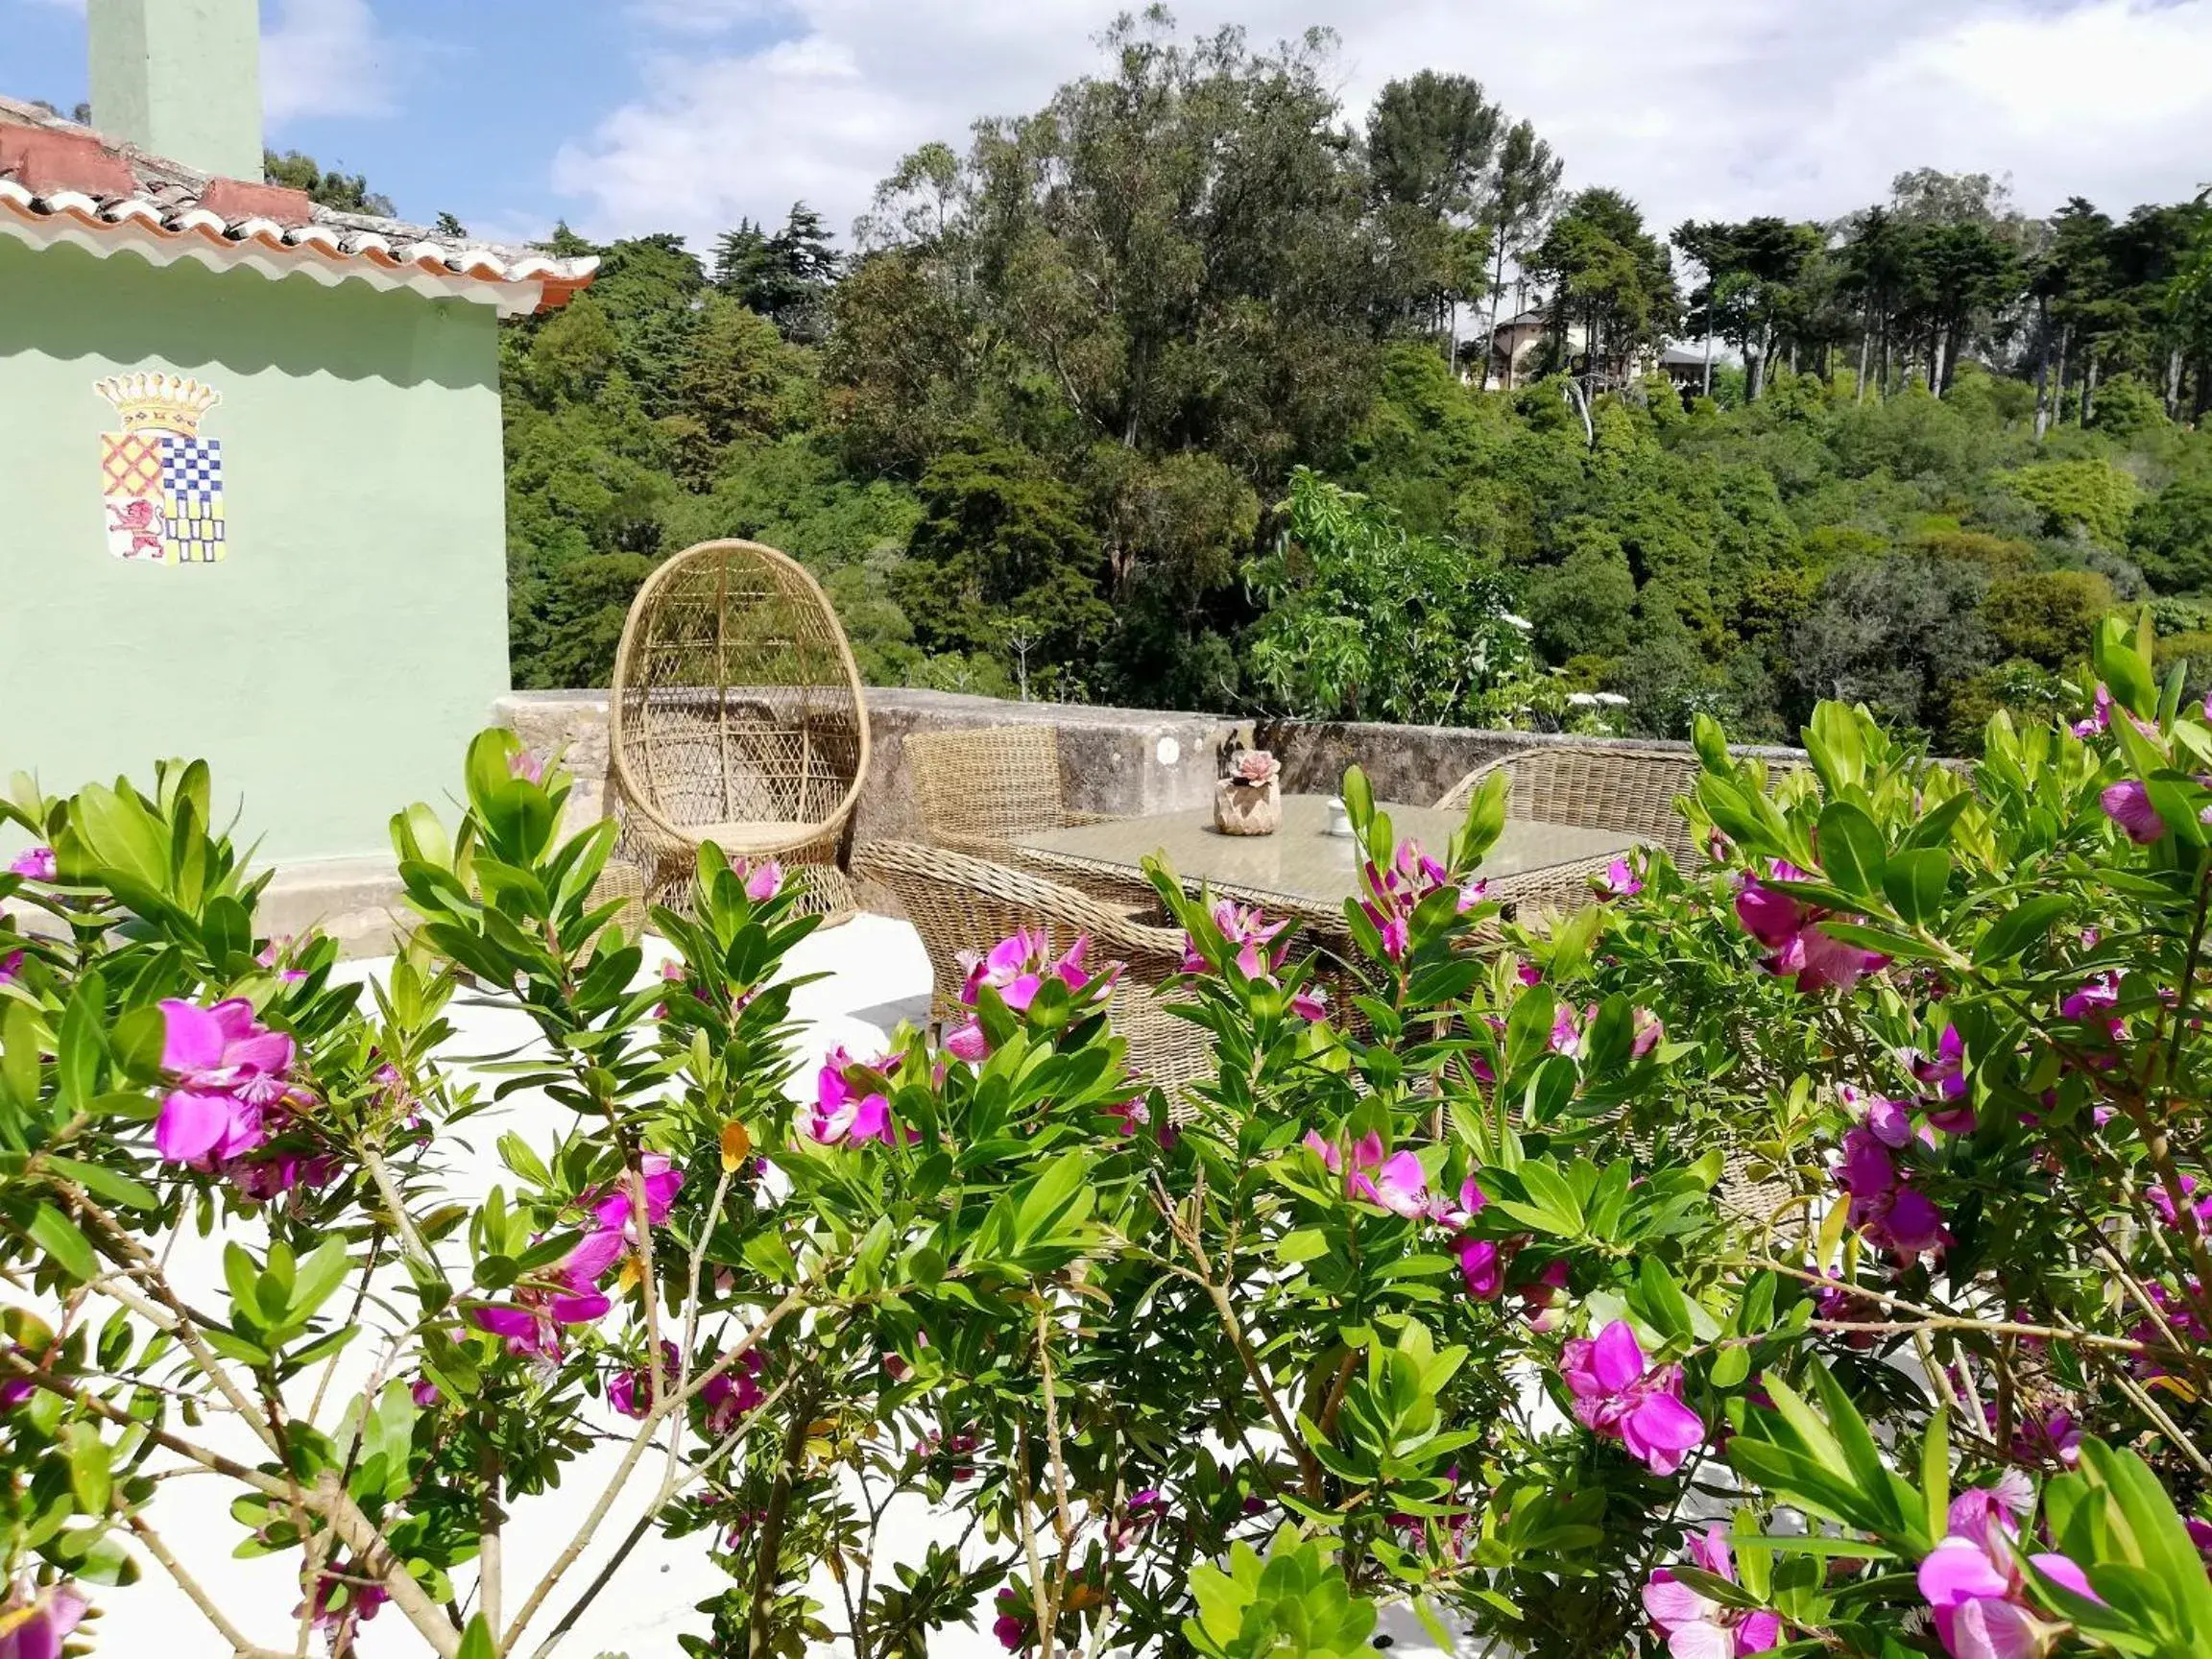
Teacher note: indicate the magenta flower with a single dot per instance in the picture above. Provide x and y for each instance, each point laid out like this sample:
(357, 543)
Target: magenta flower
(1311, 1003)
(1619, 881)
(849, 1105)
(1946, 1076)
(227, 1073)
(1892, 1214)
(1483, 1267)
(1391, 895)
(967, 1043)
(1618, 1398)
(1252, 936)
(761, 881)
(1396, 1183)
(342, 1602)
(10, 967)
(1815, 958)
(424, 1393)
(1698, 1627)
(1976, 1592)
(1010, 1627)
(729, 1395)
(272, 955)
(1017, 969)
(1566, 1031)
(526, 765)
(614, 1209)
(1649, 1032)
(2127, 804)
(36, 864)
(2099, 717)
(2162, 1201)
(35, 1623)
(531, 1324)
(631, 1391)
(1889, 1121)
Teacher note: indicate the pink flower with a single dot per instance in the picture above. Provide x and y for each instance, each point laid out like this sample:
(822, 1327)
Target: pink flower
(1130, 1116)
(2127, 804)
(2162, 1201)
(967, 1043)
(1256, 766)
(614, 1209)
(1395, 1183)
(1619, 881)
(1391, 895)
(1650, 1033)
(1946, 1074)
(1698, 1627)
(1311, 1003)
(1817, 959)
(424, 1393)
(10, 967)
(1327, 1151)
(1010, 1627)
(227, 1071)
(1539, 1298)
(1017, 968)
(2099, 717)
(631, 1391)
(1482, 1267)
(729, 1395)
(1252, 936)
(1529, 973)
(1975, 1589)
(34, 1623)
(342, 1602)
(761, 881)
(1566, 1031)
(36, 864)
(1985, 1513)
(526, 765)
(1892, 1214)
(531, 1324)
(849, 1105)
(1619, 1399)
(272, 955)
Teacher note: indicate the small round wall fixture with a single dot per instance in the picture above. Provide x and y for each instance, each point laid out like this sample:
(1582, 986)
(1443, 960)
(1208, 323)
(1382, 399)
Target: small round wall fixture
(1168, 752)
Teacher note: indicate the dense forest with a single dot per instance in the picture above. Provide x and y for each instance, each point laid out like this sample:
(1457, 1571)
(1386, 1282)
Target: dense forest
(1177, 392)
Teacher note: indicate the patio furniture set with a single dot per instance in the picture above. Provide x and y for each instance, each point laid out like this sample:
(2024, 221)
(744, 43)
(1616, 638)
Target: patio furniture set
(736, 716)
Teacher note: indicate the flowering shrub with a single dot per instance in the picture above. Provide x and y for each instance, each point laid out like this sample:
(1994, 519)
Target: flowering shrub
(1806, 1251)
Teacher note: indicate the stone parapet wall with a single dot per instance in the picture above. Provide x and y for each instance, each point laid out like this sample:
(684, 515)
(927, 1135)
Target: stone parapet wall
(1126, 762)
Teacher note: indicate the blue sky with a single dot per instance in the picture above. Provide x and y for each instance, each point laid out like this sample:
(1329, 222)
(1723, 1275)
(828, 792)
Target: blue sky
(632, 116)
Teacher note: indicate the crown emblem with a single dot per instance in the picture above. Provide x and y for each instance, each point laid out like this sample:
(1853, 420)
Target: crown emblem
(158, 402)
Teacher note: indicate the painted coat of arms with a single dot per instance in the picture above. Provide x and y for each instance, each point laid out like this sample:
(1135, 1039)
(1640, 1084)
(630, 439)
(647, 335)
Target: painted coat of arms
(162, 482)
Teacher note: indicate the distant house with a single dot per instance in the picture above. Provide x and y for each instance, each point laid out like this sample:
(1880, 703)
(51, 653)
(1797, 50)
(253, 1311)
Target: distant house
(1685, 363)
(1516, 342)
(253, 464)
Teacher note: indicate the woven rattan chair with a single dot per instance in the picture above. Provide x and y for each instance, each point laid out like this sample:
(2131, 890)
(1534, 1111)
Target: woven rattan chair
(978, 790)
(959, 903)
(1629, 790)
(736, 718)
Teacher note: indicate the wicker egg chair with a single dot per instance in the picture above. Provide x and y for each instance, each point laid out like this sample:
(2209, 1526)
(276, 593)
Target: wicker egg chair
(736, 717)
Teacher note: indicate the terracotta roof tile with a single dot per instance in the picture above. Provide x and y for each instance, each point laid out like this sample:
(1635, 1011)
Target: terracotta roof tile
(62, 182)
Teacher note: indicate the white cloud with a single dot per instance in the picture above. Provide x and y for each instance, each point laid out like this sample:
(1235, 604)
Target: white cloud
(327, 57)
(1697, 108)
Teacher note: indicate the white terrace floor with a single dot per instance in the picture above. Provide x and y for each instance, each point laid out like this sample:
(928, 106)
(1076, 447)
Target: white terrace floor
(875, 977)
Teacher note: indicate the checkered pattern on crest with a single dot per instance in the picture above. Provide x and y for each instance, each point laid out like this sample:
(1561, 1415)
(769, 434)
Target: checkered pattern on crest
(192, 468)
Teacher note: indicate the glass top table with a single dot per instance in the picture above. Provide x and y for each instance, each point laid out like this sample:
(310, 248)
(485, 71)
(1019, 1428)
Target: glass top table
(1304, 869)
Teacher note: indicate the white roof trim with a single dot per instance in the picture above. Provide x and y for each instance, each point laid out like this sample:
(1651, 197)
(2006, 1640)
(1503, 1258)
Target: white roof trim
(517, 296)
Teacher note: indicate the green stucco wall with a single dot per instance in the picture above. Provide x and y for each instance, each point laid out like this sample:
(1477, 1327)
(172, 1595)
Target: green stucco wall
(332, 666)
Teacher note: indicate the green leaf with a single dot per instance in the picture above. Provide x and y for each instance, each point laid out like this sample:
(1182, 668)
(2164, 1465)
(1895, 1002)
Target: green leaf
(1914, 882)
(1935, 1473)
(57, 1235)
(323, 1271)
(1852, 855)
(1549, 1190)
(2019, 927)
(103, 1182)
(476, 1641)
(89, 1478)
(1661, 1300)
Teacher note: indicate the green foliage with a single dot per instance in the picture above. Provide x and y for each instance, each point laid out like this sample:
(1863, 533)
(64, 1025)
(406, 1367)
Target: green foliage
(347, 192)
(2092, 498)
(2171, 536)
(1365, 621)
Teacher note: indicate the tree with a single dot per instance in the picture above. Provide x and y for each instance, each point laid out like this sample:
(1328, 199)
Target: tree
(739, 380)
(1605, 271)
(1429, 141)
(1521, 204)
(449, 225)
(346, 192)
(1752, 274)
(1002, 546)
(2171, 536)
(785, 277)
